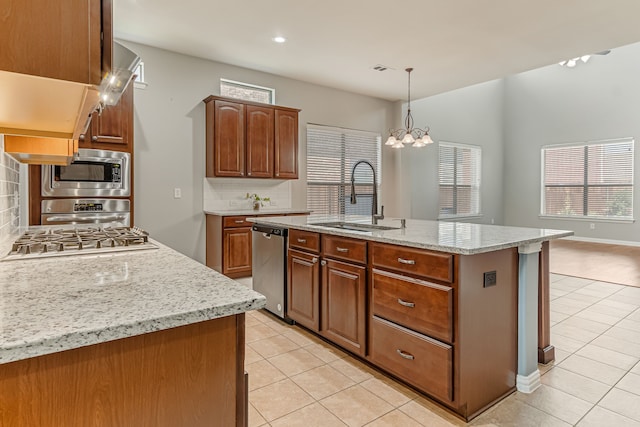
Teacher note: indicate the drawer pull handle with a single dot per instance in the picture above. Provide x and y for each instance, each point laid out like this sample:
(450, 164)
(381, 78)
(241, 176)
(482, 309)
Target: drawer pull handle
(302, 240)
(406, 304)
(406, 261)
(339, 249)
(239, 221)
(405, 355)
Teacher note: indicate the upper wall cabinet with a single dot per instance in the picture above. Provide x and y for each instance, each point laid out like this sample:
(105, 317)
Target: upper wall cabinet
(69, 40)
(112, 128)
(252, 140)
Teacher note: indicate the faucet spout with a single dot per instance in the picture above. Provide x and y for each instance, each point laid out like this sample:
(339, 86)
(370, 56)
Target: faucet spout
(374, 198)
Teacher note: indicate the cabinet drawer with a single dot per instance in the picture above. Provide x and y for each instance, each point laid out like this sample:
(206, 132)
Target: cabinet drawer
(344, 248)
(434, 265)
(416, 304)
(419, 360)
(236, 221)
(305, 240)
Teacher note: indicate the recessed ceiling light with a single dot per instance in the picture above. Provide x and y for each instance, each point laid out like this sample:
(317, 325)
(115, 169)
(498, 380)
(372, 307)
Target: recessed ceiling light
(279, 39)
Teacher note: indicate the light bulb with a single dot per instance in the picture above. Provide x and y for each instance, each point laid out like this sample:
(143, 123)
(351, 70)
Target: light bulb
(419, 143)
(426, 139)
(391, 141)
(585, 58)
(408, 139)
(571, 63)
(398, 144)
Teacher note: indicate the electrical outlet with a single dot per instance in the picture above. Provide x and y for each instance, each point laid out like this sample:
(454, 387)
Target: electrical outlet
(177, 193)
(592, 225)
(490, 278)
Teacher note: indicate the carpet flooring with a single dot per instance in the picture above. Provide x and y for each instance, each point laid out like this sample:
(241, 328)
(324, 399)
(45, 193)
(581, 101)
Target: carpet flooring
(596, 261)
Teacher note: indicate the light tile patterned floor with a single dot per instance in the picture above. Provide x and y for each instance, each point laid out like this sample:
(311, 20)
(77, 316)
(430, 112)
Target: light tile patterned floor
(296, 379)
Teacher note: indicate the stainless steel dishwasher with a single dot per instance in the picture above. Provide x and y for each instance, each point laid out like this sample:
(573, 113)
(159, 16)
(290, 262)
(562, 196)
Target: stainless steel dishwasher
(269, 266)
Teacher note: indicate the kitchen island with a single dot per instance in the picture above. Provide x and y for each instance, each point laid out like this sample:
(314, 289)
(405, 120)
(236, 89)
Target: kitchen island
(449, 308)
(144, 338)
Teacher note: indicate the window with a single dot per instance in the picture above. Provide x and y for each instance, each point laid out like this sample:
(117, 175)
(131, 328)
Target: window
(139, 82)
(588, 180)
(247, 91)
(459, 180)
(331, 154)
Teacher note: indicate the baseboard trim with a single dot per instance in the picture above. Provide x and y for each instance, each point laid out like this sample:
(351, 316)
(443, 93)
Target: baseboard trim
(607, 241)
(528, 384)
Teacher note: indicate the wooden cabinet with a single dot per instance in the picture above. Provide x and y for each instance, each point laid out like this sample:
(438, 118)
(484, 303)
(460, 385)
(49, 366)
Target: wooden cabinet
(423, 316)
(68, 40)
(237, 252)
(228, 134)
(259, 141)
(303, 288)
(229, 243)
(286, 144)
(189, 375)
(343, 304)
(112, 129)
(248, 139)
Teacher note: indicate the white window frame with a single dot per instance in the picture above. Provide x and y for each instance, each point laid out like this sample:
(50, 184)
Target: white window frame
(271, 90)
(588, 218)
(140, 82)
(478, 186)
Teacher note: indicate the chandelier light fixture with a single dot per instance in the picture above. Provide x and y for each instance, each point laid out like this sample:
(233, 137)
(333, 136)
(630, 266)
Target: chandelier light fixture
(408, 135)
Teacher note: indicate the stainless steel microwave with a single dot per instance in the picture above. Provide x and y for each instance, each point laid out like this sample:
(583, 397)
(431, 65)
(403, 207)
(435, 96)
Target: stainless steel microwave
(93, 173)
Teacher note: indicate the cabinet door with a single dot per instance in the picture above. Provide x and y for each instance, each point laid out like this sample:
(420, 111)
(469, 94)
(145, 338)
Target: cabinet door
(112, 129)
(286, 144)
(259, 141)
(237, 252)
(228, 143)
(343, 304)
(303, 289)
(59, 40)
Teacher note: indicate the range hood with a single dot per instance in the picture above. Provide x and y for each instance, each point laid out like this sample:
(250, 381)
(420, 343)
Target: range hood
(57, 110)
(124, 64)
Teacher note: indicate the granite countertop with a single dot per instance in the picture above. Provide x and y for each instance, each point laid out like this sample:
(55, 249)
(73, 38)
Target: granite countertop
(59, 303)
(263, 211)
(452, 237)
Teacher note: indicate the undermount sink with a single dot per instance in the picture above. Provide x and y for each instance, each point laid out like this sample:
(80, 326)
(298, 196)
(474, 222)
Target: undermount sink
(353, 226)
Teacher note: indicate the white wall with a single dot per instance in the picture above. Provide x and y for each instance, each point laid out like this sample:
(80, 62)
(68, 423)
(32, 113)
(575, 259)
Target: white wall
(593, 101)
(170, 137)
(471, 115)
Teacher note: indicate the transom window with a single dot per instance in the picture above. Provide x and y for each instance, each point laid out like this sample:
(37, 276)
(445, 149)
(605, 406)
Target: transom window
(331, 154)
(459, 180)
(247, 92)
(588, 180)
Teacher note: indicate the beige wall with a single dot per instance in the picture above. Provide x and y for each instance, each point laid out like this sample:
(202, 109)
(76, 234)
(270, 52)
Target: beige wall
(170, 138)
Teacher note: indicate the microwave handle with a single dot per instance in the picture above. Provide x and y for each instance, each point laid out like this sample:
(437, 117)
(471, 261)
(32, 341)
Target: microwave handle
(88, 219)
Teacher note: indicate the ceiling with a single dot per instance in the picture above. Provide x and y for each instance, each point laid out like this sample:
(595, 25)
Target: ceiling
(336, 43)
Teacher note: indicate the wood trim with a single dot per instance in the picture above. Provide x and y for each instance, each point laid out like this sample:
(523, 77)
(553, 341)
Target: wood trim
(242, 394)
(107, 39)
(546, 352)
(242, 101)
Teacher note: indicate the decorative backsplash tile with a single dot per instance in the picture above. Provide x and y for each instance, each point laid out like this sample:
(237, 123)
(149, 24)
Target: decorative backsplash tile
(9, 193)
(225, 194)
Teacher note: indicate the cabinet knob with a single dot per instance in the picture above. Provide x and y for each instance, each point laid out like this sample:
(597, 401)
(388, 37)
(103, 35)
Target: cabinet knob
(323, 262)
(314, 259)
(94, 138)
(81, 137)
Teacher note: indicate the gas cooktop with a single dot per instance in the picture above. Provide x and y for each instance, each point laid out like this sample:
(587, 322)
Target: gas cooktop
(46, 242)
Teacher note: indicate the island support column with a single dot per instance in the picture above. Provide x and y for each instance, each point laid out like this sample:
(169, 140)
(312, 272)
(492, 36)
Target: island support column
(528, 378)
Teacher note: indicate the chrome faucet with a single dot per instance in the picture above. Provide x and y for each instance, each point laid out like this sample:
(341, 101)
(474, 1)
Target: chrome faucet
(374, 202)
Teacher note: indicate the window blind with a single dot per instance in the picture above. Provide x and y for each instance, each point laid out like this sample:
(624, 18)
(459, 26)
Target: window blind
(459, 180)
(331, 154)
(589, 179)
